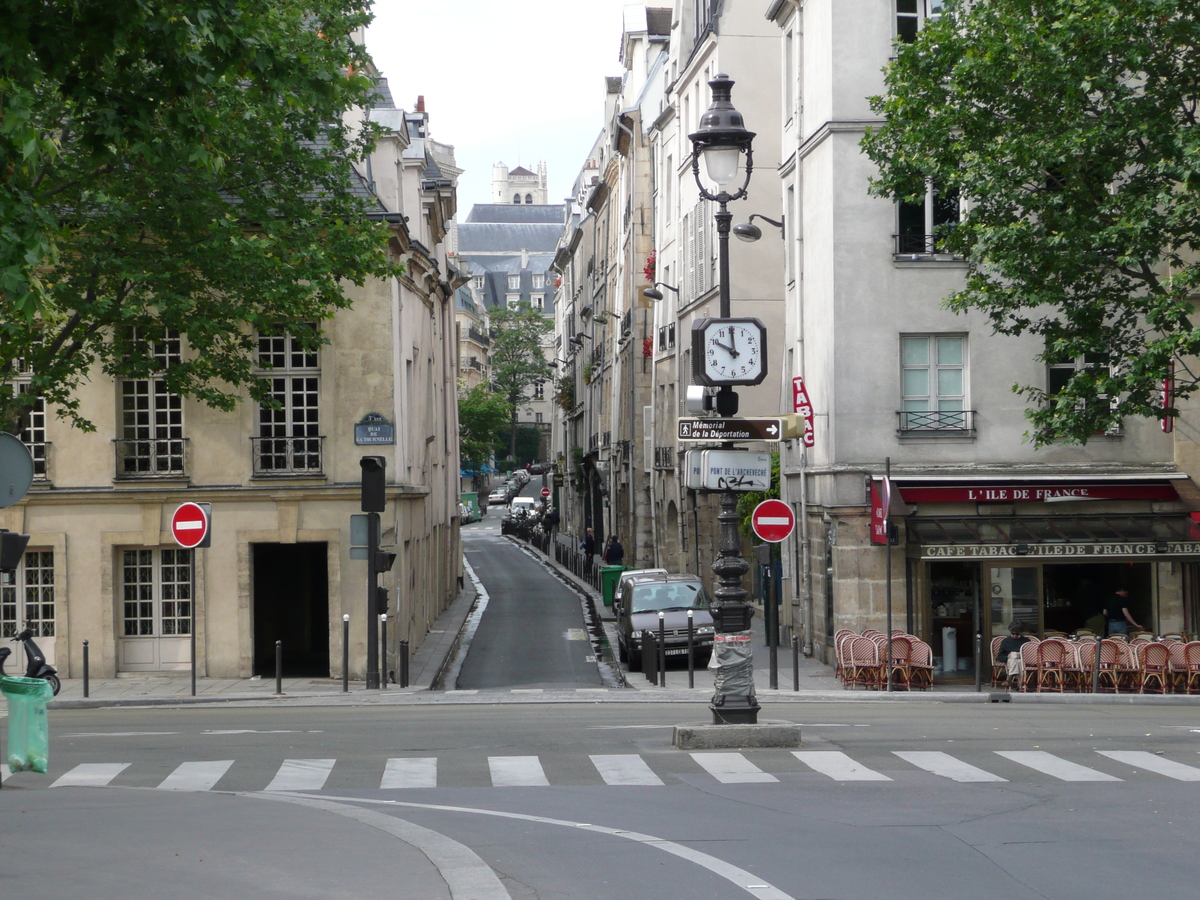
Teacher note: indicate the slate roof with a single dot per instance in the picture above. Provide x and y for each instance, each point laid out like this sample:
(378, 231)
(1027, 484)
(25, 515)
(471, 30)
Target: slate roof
(658, 21)
(492, 237)
(516, 213)
(521, 170)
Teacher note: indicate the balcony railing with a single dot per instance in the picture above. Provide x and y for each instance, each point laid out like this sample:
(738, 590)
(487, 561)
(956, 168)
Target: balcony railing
(923, 245)
(287, 455)
(479, 337)
(593, 443)
(664, 457)
(627, 322)
(955, 422)
(151, 458)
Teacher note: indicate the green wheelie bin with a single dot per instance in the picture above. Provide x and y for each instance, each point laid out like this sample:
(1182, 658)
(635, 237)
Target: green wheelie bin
(609, 576)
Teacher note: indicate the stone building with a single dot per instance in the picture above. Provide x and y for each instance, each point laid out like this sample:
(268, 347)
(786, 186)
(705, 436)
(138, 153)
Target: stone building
(101, 564)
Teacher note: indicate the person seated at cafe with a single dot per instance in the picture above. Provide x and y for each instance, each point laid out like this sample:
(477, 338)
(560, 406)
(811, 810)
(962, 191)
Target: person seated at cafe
(1008, 654)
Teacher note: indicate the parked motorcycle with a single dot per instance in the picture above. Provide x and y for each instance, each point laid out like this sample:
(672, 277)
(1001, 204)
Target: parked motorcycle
(36, 666)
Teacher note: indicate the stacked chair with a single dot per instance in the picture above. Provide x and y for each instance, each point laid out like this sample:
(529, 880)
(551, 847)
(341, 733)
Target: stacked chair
(862, 659)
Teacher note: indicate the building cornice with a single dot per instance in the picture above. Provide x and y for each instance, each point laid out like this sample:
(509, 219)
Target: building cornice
(834, 126)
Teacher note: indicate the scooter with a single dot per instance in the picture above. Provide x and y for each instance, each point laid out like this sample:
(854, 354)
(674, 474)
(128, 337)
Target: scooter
(36, 667)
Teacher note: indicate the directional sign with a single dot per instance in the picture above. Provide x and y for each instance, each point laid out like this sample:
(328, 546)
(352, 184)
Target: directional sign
(772, 520)
(190, 525)
(735, 470)
(545, 493)
(696, 429)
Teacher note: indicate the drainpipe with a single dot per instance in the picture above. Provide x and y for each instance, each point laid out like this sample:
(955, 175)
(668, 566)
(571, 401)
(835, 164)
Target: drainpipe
(633, 411)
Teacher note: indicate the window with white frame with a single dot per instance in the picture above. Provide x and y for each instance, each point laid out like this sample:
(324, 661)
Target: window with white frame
(512, 301)
(1059, 373)
(537, 301)
(539, 390)
(911, 14)
(933, 382)
(156, 592)
(27, 596)
(151, 441)
(33, 423)
(539, 281)
(922, 226)
(514, 282)
(478, 279)
(289, 429)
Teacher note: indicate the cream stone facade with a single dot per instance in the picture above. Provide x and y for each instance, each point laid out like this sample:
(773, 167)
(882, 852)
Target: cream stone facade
(102, 565)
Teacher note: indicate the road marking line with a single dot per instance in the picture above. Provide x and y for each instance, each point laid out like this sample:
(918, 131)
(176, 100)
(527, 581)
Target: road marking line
(732, 768)
(837, 765)
(91, 775)
(625, 768)
(577, 634)
(196, 776)
(117, 733)
(526, 690)
(1055, 766)
(463, 691)
(5, 773)
(410, 772)
(1143, 759)
(947, 766)
(747, 881)
(301, 775)
(517, 771)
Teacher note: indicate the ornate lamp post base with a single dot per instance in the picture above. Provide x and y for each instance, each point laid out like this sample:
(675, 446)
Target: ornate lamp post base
(734, 710)
(734, 702)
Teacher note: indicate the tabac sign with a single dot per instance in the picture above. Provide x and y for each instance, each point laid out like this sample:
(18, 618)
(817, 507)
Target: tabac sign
(1062, 551)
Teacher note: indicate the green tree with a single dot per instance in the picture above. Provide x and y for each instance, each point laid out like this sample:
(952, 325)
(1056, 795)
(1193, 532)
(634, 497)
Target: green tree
(481, 415)
(517, 359)
(1069, 130)
(180, 166)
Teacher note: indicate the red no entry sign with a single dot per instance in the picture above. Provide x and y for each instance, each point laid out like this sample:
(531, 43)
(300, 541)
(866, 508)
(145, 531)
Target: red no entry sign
(772, 521)
(545, 493)
(190, 525)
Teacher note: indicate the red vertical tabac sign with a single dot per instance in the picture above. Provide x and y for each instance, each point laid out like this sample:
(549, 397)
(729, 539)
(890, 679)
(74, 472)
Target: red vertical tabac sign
(878, 513)
(801, 404)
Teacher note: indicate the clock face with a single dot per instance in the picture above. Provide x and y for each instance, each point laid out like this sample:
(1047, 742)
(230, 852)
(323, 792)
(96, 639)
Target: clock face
(733, 350)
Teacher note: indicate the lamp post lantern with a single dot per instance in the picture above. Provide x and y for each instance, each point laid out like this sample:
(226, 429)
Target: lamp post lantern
(722, 139)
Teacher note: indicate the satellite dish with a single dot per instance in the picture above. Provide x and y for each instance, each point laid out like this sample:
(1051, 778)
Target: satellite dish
(16, 470)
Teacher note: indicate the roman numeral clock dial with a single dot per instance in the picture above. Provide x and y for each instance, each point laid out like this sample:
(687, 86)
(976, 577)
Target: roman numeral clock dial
(729, 351)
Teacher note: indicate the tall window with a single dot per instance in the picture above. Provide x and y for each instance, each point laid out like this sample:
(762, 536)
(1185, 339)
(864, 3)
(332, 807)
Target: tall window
(514, 282)
(537, 301)
(33, 428)
(922, 226)
(911, 14)
(517, 198)
(27, 596)
(1061, 371)
(539, 281)
(478, 279)
(539, 390)
(289, 431)
(156, 592)
(933, 382)
(151, 441)
(529, 199)
(512, 301)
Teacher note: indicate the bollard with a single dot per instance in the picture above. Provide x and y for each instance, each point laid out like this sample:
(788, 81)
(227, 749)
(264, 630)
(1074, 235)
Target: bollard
(1096, 668)
(795, 663)
(383, 673)
(279, 668)
(691, 652)
(86, 692)
(662, 650)
(346, 653)
(404, 663)
(649, 656)
(978, 662)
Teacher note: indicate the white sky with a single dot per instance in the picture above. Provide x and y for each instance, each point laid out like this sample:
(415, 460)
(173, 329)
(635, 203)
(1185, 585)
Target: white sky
(514, 82)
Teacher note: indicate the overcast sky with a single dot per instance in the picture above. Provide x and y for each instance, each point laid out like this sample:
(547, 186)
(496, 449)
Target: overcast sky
(511, 82)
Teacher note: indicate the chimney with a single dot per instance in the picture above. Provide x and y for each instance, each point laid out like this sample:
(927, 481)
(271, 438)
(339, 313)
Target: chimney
(420, 103)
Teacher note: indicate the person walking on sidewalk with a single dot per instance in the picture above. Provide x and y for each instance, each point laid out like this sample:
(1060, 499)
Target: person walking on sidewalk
(614, 553)
(588, 544)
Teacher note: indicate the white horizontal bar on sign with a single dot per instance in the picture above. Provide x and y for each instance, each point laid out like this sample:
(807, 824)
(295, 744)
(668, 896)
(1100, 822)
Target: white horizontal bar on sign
(773, 520)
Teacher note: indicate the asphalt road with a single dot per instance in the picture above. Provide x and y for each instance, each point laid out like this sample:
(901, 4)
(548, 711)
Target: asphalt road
(532, 633)
(421, 801)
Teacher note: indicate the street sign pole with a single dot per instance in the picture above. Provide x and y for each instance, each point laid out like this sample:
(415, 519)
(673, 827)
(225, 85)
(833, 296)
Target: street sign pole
(191, 526)
(887, 534)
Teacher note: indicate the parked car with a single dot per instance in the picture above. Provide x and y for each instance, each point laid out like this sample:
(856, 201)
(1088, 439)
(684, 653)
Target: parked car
(536, 468)
(528, 503)
(466, 515)
(627, 577)
(641, 601)
(498, 497)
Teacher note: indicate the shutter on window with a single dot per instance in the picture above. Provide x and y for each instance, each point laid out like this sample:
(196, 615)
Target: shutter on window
(647, 438)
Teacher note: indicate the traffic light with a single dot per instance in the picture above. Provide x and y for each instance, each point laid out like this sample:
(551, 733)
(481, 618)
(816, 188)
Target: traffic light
(12, 548)
(384, 560)
(381, 600)
(374, 477)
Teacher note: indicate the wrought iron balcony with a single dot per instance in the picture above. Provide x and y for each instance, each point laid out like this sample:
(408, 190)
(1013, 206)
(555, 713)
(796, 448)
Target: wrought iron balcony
(951, 422)
(287, 455)
(664, 457)
(924, 245)
(151, 457)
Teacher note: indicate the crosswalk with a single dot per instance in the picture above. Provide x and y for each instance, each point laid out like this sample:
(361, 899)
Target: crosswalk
(652, 770)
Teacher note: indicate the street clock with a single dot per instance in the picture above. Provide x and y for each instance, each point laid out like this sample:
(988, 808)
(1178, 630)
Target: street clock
(729, 351)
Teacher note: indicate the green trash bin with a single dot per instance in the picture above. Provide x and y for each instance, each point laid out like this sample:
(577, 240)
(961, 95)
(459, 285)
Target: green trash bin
(609, 576)
(28, 727)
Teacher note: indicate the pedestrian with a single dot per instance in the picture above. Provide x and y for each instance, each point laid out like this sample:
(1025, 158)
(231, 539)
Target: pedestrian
(1008, 654)
(551, 519)
(1119, 622)
(588, 544)
(614, 553)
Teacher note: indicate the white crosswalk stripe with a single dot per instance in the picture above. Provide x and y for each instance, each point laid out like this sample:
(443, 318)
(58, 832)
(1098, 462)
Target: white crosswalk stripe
(5, 773)
(947, 766)
(732, 768)
(91, 775)
(1151, 762)
(1055, 766)
(301, 775)
(416, 772)
(196, 776)
(624, 769)
(837, 765)
(517, 771)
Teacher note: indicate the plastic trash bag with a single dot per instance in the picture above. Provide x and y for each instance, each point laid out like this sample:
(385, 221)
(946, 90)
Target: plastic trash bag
(28, 727)
(733, 656)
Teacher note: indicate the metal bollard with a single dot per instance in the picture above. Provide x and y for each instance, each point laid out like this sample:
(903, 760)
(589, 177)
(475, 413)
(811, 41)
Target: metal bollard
(383, 672)
(691, 651)
(346, 653)
(662, 650)
(649, 656)
(86, 691)
(795, 663)
(404, 663)
(278, 668)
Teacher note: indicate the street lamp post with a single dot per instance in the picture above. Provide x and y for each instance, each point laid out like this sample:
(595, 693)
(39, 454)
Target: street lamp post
(722, 139)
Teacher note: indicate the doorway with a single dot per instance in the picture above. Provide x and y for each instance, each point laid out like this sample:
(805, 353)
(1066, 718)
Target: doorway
(291, 604)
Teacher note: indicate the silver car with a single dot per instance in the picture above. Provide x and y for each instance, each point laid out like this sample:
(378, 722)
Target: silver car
(675, 596)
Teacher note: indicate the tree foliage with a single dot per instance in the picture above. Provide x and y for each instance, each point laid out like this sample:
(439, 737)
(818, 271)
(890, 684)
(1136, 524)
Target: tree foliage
(1069, 129)
(482, 414)
(179, 166)
(517, 359)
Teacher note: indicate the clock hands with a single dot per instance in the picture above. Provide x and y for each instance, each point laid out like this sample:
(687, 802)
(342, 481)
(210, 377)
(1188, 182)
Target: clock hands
(729, 349)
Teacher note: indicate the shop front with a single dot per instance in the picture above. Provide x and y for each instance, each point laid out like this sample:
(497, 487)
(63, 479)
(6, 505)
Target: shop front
(1048, 556)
